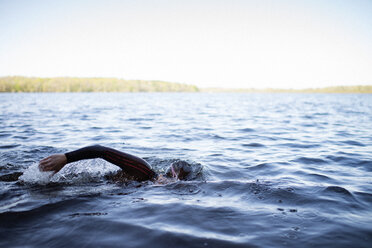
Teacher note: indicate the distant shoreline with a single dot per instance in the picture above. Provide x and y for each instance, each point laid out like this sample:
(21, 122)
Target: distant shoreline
(71, 84)
(74, 84)
(356, 89)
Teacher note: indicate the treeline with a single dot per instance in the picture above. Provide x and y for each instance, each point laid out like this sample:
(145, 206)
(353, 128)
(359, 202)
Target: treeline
(69, 84)
(341, 89)
(335, 89)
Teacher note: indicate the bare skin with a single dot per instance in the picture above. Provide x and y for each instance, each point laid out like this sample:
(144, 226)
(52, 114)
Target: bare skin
(54, 163)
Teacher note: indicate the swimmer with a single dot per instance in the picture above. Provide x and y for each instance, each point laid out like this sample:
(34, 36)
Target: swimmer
(134, 167)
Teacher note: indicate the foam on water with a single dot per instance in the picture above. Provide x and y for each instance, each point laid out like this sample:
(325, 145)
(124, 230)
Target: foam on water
(33, 175)
(77, 172)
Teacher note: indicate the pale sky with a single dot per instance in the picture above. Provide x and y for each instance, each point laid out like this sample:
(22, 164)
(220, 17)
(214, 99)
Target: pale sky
(231, 44)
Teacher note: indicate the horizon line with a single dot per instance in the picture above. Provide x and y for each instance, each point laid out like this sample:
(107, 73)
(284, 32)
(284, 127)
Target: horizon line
(204, 88)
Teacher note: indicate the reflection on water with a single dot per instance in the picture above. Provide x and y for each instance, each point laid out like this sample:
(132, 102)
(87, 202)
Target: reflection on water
(276, 170)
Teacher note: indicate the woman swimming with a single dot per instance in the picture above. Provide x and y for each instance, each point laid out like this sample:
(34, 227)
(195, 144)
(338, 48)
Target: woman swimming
(136, 168)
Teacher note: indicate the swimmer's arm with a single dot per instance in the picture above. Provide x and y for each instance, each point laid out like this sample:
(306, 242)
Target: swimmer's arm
(133, 165)
(57, 161)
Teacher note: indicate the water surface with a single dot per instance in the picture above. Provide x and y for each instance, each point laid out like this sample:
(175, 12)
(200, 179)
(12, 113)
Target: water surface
(278, 170)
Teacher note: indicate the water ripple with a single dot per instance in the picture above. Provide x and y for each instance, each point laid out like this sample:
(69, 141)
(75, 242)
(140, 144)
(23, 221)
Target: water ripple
(271, 170)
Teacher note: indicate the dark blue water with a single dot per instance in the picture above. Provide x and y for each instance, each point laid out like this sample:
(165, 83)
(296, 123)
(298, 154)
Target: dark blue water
(278, 170)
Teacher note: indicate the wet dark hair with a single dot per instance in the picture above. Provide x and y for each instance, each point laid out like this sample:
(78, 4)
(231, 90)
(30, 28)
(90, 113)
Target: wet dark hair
(181, 168)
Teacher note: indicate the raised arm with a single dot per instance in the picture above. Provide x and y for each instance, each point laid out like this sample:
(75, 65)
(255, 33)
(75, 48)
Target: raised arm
(132, 165)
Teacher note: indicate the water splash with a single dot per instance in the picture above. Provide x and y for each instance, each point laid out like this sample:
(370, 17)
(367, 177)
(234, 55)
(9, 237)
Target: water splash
(33, 175)
(78, 172)
(196, 171)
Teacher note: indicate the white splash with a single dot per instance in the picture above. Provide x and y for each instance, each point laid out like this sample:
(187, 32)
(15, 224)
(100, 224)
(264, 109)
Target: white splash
(78, 172)
(34, 176)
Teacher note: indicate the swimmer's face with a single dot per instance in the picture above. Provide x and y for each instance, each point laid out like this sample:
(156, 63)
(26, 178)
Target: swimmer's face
(178, 170)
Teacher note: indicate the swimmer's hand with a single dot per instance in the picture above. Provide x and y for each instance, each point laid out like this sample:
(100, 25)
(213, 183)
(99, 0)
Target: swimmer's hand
(53, 163)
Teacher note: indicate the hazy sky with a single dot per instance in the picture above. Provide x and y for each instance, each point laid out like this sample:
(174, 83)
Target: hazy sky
(262, 43)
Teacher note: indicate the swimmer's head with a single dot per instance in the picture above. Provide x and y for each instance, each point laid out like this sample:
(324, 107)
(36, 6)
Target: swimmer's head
(179, 170)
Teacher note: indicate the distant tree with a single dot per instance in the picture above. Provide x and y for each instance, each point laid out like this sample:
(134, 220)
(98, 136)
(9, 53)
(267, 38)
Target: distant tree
(67, 84)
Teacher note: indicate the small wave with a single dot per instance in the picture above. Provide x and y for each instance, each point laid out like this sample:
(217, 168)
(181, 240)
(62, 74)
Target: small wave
(140, 119)
(172, 136)
(40, 209)
(247, 130)
(98, 138)
(364, 196)
(9, 146)
(337, 189)
(320, 176)
(308, 117)
(315, 176)
(265, 168)
(253, 145)
(308, 125)
(298, 145)
(216, 136)
(95, 128)
(216, 155)
(339, 158)
(340, 196)
(366, 164)
(307, 160)
(344, 134)
(321, 114)
(348, 161)
(85, 118)
(21, 137)
(4, 135)
(145, 127)
(353, 143)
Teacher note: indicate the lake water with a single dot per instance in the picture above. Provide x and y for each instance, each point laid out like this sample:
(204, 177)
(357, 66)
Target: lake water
(278, 170)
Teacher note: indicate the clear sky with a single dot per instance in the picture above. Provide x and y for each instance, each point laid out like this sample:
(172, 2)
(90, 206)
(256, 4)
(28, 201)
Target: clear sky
(258, 43)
